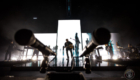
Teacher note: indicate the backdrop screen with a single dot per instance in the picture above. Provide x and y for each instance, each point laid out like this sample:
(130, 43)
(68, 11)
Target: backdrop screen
(67, 29)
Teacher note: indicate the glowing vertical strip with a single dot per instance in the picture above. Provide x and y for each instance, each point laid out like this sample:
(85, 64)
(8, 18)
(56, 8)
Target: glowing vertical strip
(66, 30)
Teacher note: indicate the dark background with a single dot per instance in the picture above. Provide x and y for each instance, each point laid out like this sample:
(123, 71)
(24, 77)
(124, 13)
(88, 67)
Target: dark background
(117, 16)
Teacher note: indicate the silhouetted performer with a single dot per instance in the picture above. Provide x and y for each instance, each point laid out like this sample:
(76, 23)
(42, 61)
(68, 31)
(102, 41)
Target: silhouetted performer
(107, 48)
(36, 51)
(77, 41)
(120, 49)
(131, 50)
(9, 50)
(56, 47)
(110, 51)
(68, 47)
(87, 41)
(118, 43)
(98, 50)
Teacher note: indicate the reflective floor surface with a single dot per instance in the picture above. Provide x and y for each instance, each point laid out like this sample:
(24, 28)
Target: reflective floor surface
(95, 75)
(63, 62)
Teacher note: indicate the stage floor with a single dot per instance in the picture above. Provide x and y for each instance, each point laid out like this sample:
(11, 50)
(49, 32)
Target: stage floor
(21, 70)
(63, 62)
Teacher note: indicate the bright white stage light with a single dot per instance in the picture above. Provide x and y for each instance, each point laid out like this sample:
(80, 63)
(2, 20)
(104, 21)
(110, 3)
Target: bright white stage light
(105, 57)
(40, 58)
(86, 36)
(14, 59)
(34, 58)
(48, 39)
(24, 58)
(67, 30)
(115, 58)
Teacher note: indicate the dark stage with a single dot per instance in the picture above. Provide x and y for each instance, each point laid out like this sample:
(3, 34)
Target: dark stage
(105, 70)
(36, 38)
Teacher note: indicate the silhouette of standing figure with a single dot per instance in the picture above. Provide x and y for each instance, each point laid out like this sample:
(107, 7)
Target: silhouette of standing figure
(36, 51)
(68, 48)
(9, 50)
(111, 51)
(77, 41)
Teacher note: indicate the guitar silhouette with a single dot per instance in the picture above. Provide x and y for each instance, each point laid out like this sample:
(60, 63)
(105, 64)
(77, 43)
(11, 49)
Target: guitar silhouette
(70, 46)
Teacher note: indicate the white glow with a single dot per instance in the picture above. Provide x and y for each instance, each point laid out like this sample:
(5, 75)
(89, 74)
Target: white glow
(117, 65)
(14, 59)
(34, 17)
(105, 57)
(47, 38)
(104, 64)
(66, 30)
(40, 58)
(115, 57)
(84, 38)
(24, 58)
(34, 58)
